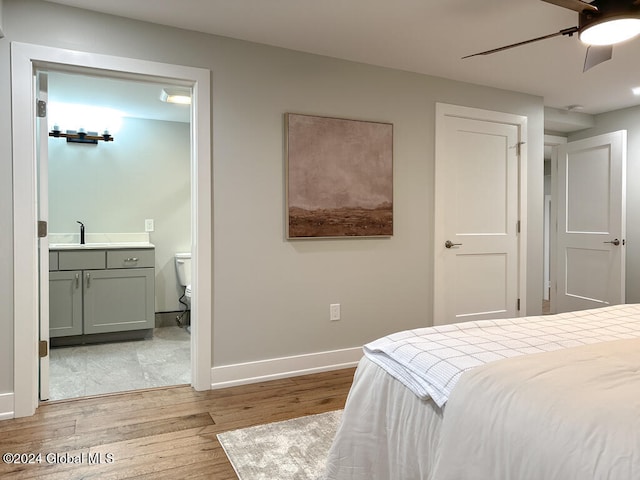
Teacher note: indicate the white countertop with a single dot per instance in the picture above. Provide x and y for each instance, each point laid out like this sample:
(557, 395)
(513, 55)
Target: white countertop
(93, 241)
(99, 246)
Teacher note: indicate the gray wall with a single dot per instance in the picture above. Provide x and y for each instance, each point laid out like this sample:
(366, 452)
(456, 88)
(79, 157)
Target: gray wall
(626, 119)
(271, 296)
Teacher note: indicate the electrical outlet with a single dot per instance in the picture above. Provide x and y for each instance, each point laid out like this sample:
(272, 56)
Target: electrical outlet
(148, 225)
(334, 312)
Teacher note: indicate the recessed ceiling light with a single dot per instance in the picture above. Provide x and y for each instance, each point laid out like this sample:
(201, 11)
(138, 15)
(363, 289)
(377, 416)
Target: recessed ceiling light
(636, 90)
(181, 96)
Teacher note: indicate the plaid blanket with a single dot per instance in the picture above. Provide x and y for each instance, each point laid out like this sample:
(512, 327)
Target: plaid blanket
(429, 361)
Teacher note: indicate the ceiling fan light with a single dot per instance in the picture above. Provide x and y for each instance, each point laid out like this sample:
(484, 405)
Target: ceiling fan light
(611, 31)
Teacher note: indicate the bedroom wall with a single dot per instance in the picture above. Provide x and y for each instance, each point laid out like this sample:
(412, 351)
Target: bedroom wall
(626, 119)
(271, 296)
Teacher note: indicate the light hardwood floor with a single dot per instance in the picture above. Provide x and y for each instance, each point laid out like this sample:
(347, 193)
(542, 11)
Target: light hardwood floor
(167, 433)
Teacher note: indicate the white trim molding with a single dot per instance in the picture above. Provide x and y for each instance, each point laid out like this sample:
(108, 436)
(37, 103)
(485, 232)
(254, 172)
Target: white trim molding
(25, 60)
(6, 406)
(284, 367)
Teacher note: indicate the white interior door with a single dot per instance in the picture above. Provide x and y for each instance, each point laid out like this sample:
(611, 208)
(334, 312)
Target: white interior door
(591, 223)
(42, 150)
(477, 206)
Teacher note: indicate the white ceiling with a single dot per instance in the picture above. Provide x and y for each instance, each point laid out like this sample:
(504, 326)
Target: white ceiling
(424, 36)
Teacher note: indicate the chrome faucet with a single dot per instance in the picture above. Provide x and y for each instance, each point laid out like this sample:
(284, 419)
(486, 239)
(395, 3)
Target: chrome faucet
(81, 232)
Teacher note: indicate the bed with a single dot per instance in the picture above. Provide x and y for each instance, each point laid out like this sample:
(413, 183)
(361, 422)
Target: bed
(533, 398)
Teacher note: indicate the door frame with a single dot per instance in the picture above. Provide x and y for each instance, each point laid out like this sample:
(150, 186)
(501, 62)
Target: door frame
(520, 121)
(25, 60)
(554, 142)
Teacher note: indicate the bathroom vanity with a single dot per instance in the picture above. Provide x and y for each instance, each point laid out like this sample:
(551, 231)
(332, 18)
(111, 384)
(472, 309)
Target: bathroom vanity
(100, 292)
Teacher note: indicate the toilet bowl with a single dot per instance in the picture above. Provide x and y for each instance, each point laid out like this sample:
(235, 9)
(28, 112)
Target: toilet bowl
(183, 270)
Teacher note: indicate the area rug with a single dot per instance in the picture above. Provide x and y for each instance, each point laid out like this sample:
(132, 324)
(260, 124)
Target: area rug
(291, 450)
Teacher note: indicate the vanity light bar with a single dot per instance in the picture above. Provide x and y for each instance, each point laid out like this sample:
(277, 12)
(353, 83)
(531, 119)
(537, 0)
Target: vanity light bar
(81, 136)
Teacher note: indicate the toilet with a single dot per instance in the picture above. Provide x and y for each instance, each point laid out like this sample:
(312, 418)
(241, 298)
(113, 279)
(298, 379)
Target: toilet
(183, 269)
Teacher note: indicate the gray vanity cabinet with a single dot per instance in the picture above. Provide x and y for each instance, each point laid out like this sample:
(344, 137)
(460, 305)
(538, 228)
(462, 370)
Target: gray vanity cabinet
(65, 303)
(118, 300)
(102, 291)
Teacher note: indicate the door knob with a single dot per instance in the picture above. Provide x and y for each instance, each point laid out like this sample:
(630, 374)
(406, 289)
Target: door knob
(615, 241)
(450, 244)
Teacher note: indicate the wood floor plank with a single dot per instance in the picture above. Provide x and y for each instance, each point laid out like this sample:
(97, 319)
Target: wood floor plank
(160, 433)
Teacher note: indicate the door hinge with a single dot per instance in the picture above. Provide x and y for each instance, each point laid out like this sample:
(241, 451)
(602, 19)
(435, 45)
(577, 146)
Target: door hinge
(518, 226)
(42, 228)
(43, 348)
(41, 108)
(518, 145)
(518, 305)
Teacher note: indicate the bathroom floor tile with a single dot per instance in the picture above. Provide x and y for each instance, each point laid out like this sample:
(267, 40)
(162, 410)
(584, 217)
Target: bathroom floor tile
(115, 367)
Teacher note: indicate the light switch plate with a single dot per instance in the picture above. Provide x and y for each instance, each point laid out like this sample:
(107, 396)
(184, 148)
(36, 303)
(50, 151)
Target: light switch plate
(148, 225)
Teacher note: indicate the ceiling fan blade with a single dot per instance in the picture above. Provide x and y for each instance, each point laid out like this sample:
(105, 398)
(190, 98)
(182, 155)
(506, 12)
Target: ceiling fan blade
(567, 31)
(597, 54)
(577, 5)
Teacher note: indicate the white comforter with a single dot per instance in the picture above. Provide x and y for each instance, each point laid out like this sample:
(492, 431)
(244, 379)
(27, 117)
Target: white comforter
(565, 415)
(386, 432)
(568, 414)
(429, 361)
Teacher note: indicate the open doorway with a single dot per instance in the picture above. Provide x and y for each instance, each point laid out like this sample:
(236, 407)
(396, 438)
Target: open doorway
(118, 211)
(551, 143)
(26, 59)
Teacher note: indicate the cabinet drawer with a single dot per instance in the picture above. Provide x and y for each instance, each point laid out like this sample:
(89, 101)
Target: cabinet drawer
(53, 261)
(81, 260)
(131, 258)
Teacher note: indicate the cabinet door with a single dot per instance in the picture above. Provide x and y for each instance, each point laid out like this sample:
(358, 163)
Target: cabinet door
(65, 303)
(119, 300)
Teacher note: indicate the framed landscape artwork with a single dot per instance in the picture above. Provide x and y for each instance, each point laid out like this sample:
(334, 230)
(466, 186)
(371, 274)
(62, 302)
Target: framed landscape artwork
(339, 177)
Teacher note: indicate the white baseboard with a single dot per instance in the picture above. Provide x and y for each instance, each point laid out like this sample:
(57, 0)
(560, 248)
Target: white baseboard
(284, 367)
(6, 406)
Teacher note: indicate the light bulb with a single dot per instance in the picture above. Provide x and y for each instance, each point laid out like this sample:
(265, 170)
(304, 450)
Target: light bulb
(613, 31)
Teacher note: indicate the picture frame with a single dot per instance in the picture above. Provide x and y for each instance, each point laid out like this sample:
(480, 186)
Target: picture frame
(339, 177)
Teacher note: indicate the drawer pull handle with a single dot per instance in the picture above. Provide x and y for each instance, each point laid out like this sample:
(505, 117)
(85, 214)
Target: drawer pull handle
(88, 280)
(77, 280)
(131, 259)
